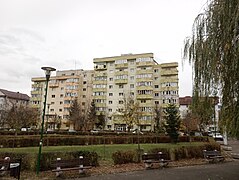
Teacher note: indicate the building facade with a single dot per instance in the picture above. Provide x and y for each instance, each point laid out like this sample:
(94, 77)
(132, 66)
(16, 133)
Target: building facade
(63, 88)
(136, 76)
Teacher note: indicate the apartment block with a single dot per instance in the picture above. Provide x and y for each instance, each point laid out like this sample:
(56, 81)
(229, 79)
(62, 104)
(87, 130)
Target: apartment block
(63, 88)
(133, 75)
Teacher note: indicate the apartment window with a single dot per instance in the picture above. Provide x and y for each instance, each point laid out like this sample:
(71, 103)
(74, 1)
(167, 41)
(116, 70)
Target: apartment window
(110, 94)
(53, 96)
(121, 102)
(131, 69)
(156, 70)
(156, 86)
(121, 94)
(121, 86)
(52, 102)
(62, 88)
(131, 93)
(83, 103)
(156, 102)
(60, 110)
(111, 71)
(156, 78)
(52, 110)
(110, 86)
(143, 101)
(111, 79)
(84, 82)
(84, 89)
(110, 110)
(110, 102)
(62, 95)
(131, 77)
(156, 94)
(61, 102)
(83, 96)
(131, 85)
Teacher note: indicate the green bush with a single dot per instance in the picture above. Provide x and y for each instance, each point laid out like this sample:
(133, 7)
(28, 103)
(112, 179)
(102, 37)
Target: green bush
(124, 157)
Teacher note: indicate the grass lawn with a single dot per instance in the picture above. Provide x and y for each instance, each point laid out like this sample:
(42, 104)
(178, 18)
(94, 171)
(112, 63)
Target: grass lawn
(105, 152)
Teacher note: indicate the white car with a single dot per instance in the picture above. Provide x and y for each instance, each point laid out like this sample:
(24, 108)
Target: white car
(217, 136)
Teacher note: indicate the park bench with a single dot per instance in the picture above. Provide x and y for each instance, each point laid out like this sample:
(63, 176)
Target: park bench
(12, 166)
(80, 164)
(150, 159)
(213, 156)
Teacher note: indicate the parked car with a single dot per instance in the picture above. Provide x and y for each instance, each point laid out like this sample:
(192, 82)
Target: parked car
(217, 136)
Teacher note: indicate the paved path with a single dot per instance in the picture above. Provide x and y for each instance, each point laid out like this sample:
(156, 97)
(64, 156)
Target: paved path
(228, 170)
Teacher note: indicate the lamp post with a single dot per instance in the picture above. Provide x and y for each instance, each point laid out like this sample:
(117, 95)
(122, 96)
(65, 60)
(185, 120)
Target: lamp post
(48, 71)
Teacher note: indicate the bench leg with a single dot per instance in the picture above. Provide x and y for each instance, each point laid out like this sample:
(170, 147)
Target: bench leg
(163, 164)
(58, 173)
(81, 170)
(148, 165)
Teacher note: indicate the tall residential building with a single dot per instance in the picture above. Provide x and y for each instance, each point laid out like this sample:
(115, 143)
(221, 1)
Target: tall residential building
(62, 90)
(133, 75)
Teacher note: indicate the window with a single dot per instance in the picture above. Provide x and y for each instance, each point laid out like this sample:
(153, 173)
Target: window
(52, 102)
(52, 110)
(121, 94)
(60, 110)
(53, 96)
(83, 103)
(156, 102)
(83, 96)
(84, 82)
(62, 88)
(110, 86)
(121, 86)
(131, 85)
(156, 70)
(156, 94)
(62, 95)
(156, 86)
(110, 102)
(131, 69)
(110, 110)
(111, 79)
(121, 102)
(84, 89)
(110, 94)
(61, 102)
(131, 77)
(143, 101)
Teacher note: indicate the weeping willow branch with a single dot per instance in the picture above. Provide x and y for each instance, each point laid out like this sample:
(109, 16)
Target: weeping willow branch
(213, 52)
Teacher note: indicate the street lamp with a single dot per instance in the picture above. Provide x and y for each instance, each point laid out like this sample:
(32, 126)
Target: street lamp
(48, 71)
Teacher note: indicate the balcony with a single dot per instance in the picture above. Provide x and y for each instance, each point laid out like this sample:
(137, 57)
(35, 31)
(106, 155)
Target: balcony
(144, 88)
(118, 73)
(147, 63)
(124, 65)
(100, 67)
(99, 89)
(144, 96)
(100, 104)
(54, 85)
(165, 72)
(99, 97)
(36, 92)
(121, 81)
(144, 71)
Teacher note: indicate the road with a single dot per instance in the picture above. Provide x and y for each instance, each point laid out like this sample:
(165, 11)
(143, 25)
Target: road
(228, 170)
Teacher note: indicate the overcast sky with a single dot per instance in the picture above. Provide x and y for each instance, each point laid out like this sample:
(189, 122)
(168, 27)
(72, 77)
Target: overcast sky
(68, 34)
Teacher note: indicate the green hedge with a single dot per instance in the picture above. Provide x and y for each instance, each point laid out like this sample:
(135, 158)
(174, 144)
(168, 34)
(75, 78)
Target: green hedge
(64, 140)
(29, 160)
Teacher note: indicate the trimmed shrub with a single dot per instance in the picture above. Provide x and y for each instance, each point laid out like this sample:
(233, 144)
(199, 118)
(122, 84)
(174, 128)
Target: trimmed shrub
(124, 157)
